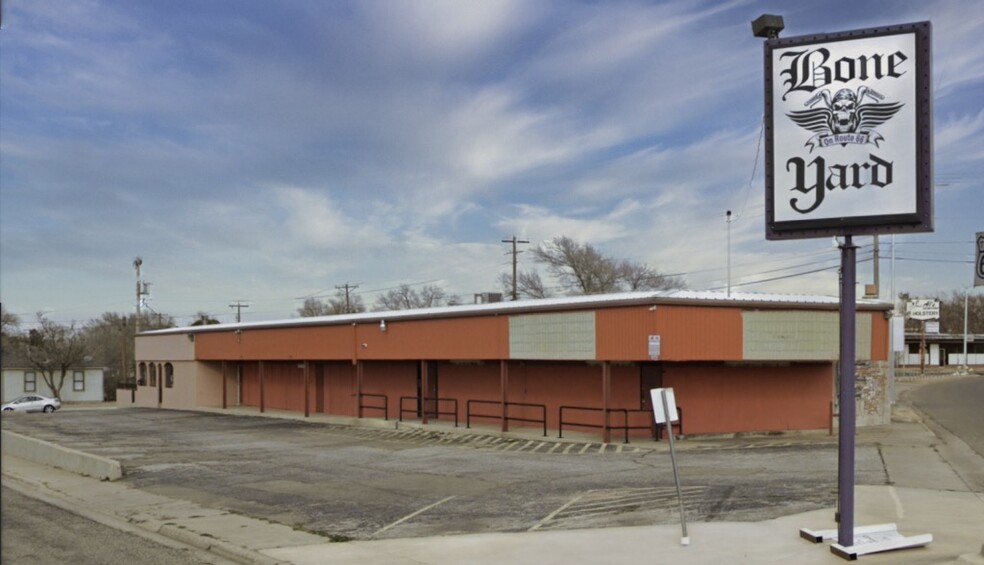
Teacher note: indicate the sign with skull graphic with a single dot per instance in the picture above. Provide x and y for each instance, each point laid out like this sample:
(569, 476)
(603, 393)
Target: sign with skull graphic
(849, 133)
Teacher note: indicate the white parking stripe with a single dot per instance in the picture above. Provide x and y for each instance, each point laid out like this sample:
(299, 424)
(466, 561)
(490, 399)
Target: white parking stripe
(409, 516)
(555, 512)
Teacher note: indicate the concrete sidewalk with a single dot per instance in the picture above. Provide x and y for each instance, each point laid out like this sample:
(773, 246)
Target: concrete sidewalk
(926, 496)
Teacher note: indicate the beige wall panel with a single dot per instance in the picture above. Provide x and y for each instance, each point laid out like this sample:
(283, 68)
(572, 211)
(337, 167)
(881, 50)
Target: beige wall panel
(164, 348)
(568, 336)
(800, 335)
(208, 383)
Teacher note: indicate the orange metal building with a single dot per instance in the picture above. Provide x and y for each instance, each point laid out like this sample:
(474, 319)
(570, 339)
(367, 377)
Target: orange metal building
(744, 363)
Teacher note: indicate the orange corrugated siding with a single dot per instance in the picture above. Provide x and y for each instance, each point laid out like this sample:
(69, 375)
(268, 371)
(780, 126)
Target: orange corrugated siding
(450, 338)
(879, 336)
(326, 342)
(460, 338)
(687, 333)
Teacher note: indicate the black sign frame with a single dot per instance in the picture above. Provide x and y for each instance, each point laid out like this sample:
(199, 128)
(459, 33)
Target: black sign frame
(919, 221)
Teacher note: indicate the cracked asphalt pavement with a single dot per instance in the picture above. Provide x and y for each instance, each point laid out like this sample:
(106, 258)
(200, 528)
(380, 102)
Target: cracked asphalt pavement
(357, 483)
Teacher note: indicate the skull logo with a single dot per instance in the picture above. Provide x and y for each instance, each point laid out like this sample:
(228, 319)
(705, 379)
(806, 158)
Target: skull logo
(844, 107)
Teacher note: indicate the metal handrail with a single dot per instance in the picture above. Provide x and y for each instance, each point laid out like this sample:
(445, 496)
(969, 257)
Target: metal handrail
(625, 427)
(507, 417)
(384, 407)
(625, 419)
(414, 410)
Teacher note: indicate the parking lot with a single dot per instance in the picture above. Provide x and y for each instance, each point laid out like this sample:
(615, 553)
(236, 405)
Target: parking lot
(357, 483)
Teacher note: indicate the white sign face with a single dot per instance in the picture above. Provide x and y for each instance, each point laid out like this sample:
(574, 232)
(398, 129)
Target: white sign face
(933, 327)
(654, 347)
(844, 150)
(657, 398)
(979, 263)
(923, 309)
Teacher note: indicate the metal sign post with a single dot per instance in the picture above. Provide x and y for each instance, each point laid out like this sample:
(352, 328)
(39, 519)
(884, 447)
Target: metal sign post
(845, 440)
(665, 410)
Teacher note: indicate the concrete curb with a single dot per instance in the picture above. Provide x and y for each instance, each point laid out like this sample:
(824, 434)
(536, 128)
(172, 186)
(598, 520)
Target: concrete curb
(225, 550)
(53, 455)
(153, 530)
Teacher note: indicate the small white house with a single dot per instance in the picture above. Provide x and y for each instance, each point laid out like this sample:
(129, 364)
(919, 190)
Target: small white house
(83, 384)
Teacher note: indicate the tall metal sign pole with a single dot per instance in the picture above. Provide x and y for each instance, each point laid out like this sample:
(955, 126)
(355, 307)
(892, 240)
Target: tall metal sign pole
(845, 438)
(848, 125)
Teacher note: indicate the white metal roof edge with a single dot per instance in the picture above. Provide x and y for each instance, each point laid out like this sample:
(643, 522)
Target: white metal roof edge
(537, 305)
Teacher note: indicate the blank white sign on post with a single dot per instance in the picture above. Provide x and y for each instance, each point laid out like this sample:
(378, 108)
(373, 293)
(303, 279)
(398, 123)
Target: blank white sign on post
(656, 394)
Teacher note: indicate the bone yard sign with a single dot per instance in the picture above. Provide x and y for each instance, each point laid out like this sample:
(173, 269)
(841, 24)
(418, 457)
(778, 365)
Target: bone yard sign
(849, 133)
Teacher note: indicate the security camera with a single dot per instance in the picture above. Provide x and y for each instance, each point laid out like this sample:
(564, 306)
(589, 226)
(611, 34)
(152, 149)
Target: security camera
(382, 325)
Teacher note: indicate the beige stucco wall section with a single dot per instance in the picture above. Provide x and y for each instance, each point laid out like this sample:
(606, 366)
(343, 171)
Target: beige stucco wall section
(165, 348)
(178, 350)
(209, 383)
(782, 335)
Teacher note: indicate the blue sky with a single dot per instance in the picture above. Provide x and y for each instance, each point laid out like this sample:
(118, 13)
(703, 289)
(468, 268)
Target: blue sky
(269, 151)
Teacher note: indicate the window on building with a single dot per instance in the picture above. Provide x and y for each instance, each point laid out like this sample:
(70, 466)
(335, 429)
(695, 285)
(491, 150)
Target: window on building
(30, 381)
(143, 375)
(78, 381)
(153, 375)
(168, 375)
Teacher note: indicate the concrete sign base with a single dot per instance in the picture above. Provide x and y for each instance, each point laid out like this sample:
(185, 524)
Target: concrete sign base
(867, 539)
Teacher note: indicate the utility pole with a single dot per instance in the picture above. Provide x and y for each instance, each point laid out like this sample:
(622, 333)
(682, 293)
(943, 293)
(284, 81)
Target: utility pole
(727, 220)
(347, 288)
(515, 253)
(239, 310)
(142, 291)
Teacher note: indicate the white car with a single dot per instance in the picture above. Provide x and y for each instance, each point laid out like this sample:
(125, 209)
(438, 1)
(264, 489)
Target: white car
(33, 403)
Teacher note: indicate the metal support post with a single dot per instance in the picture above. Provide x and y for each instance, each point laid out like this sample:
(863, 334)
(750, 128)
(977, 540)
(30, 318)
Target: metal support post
(845, 459)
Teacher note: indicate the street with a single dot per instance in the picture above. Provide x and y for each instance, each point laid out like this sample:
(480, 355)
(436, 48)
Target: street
(957, 405)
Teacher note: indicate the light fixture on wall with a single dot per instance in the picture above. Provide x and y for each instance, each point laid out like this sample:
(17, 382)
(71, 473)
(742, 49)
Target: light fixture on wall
(382, 325)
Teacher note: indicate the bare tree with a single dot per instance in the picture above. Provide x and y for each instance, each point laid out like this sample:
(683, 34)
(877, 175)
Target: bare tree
(952, 312)
(342, 304)
(337, 305)
(582, 269)
(405, 297)
(636, 276)
(52, 349)
(313, 307)
(8, 321)
(528, 284)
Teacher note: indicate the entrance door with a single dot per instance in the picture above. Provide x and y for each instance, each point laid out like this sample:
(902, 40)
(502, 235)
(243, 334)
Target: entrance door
(650, 377)
(319, 387)
(427, 399)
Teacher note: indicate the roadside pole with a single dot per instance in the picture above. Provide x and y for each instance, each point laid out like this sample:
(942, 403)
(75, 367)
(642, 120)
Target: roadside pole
(845, 441)
(666, 416)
